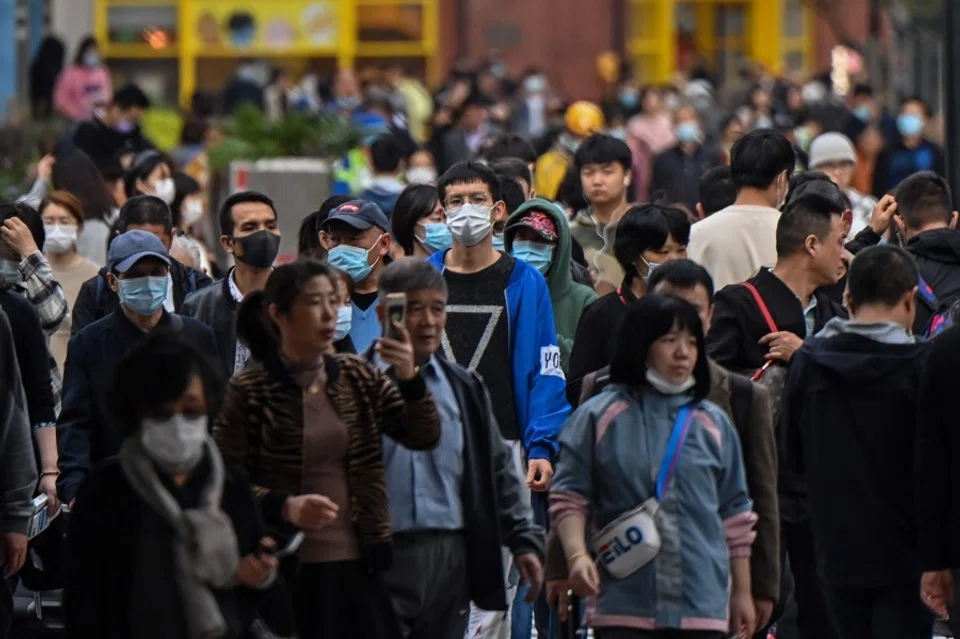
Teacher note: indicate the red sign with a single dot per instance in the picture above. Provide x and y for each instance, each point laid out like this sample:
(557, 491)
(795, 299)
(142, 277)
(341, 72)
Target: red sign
(241, 180)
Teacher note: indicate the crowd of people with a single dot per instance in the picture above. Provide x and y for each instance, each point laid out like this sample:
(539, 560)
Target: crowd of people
(630, 366)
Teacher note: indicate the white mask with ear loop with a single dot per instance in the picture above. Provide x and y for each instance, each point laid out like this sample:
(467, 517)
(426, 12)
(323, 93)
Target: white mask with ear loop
(782, 199)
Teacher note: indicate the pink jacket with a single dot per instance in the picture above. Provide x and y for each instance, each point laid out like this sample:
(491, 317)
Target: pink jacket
(81, 90)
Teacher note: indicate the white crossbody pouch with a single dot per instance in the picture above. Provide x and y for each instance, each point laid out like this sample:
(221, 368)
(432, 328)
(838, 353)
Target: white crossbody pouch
(632, 540)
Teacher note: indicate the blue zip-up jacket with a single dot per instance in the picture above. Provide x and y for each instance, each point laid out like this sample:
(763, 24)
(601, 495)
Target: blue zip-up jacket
(610, 454)
(538, 381)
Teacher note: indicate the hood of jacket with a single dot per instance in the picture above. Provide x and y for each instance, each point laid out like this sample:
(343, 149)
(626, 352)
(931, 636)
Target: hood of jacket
(938, 245)
(863, 351)
(558, 278)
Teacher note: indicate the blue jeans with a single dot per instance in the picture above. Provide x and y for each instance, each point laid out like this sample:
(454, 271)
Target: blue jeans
(523, 613)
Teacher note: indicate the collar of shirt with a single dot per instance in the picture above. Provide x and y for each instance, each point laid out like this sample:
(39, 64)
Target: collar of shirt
(234, 289)
(387, 183)
(168, 303)
(809, 314)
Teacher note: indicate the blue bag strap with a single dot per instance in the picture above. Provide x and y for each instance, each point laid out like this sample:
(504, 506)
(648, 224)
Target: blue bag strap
(926, 292)
(681, 428)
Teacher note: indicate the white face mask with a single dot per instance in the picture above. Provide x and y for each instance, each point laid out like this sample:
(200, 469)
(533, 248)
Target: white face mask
(422, 175)
(176, 443)
(191, 213)
(470, 223)
(666, 387)
(60, 239)
(344, 322)
(166, 190)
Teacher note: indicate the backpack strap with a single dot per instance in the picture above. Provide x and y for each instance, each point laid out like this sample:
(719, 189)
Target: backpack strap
(741, 400)
(926, 293)
(762, 305)
(586, 388)
(593, 383)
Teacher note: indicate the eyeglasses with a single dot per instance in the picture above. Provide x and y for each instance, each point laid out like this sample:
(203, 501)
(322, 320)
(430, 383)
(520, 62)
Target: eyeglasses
(456, 201)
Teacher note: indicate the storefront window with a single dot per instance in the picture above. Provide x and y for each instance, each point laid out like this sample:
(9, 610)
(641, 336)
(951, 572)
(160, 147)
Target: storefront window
(796, 36)
(151, 25)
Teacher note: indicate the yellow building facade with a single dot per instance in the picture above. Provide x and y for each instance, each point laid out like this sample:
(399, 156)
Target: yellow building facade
(776, 33)
(206, 37)
(203, 39)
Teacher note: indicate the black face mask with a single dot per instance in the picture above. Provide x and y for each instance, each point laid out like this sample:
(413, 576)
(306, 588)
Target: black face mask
(259, 249)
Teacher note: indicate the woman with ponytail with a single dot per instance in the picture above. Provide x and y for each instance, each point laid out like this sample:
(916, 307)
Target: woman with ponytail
(306, 425)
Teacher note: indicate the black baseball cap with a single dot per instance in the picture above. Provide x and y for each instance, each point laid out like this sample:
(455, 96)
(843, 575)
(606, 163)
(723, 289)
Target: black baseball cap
(359, 214)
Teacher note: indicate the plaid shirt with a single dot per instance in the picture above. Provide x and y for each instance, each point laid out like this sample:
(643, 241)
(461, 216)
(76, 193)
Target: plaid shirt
(46, 295)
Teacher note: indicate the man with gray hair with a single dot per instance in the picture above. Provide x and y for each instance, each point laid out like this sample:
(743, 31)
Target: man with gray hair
(452, 508)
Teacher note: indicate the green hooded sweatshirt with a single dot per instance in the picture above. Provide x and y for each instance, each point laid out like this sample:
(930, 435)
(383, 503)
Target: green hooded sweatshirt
(569, 298)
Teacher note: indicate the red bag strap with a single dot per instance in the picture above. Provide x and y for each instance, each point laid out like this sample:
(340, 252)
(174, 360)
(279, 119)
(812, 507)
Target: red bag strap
(763, 306)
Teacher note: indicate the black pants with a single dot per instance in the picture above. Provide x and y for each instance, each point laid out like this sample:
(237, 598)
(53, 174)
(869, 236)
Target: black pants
(343, 600)
(428, 585)
(813, 619)
(630, 633)
(880, 613)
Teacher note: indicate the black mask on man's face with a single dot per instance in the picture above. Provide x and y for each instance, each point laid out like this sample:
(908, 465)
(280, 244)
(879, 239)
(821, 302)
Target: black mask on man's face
(260, 249)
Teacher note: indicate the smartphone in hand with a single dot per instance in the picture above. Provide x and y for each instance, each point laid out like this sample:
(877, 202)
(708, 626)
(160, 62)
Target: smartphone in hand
(395, 306)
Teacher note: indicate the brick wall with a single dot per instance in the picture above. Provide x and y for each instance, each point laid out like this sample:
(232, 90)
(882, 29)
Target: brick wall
(854, 15)
(562, 37)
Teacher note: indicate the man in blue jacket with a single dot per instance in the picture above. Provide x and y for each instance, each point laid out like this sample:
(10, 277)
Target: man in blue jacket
(500, 325)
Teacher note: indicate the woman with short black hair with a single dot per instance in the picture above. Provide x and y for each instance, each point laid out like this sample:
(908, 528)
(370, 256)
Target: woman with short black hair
(647, 236)
(418, 224)
(151, 174)
(659, 471)
(164, 539)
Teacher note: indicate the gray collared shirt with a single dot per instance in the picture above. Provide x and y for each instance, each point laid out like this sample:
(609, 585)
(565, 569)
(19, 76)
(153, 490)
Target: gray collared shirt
(424, 487)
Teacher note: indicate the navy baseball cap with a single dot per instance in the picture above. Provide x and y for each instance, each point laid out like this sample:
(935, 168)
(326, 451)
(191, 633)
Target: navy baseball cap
(360, 214)
(131, 247)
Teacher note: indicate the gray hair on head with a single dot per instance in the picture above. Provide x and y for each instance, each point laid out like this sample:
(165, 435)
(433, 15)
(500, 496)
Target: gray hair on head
(411, 274)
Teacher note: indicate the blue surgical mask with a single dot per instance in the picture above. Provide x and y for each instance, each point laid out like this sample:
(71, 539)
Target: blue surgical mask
(910, 124)
(688, 132)
(344, 322)
(651, 267)
(535, 84)
(863, 113)
(349, 103)
(353, 260)
(498, 242)
(629, 98)
(91, 59)
(125, 127)
(618, 132)
(10, 273)
(144, 295)
(537, 255)
(437, 237)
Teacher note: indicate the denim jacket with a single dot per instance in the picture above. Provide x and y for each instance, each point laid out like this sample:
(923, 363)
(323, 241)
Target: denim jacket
(610, 452)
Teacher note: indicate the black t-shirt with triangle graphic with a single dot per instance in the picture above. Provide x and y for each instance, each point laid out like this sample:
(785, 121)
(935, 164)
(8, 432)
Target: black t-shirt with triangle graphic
(478, 334)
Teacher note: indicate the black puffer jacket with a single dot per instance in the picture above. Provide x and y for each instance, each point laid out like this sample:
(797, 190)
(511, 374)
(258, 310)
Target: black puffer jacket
(937, 253)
